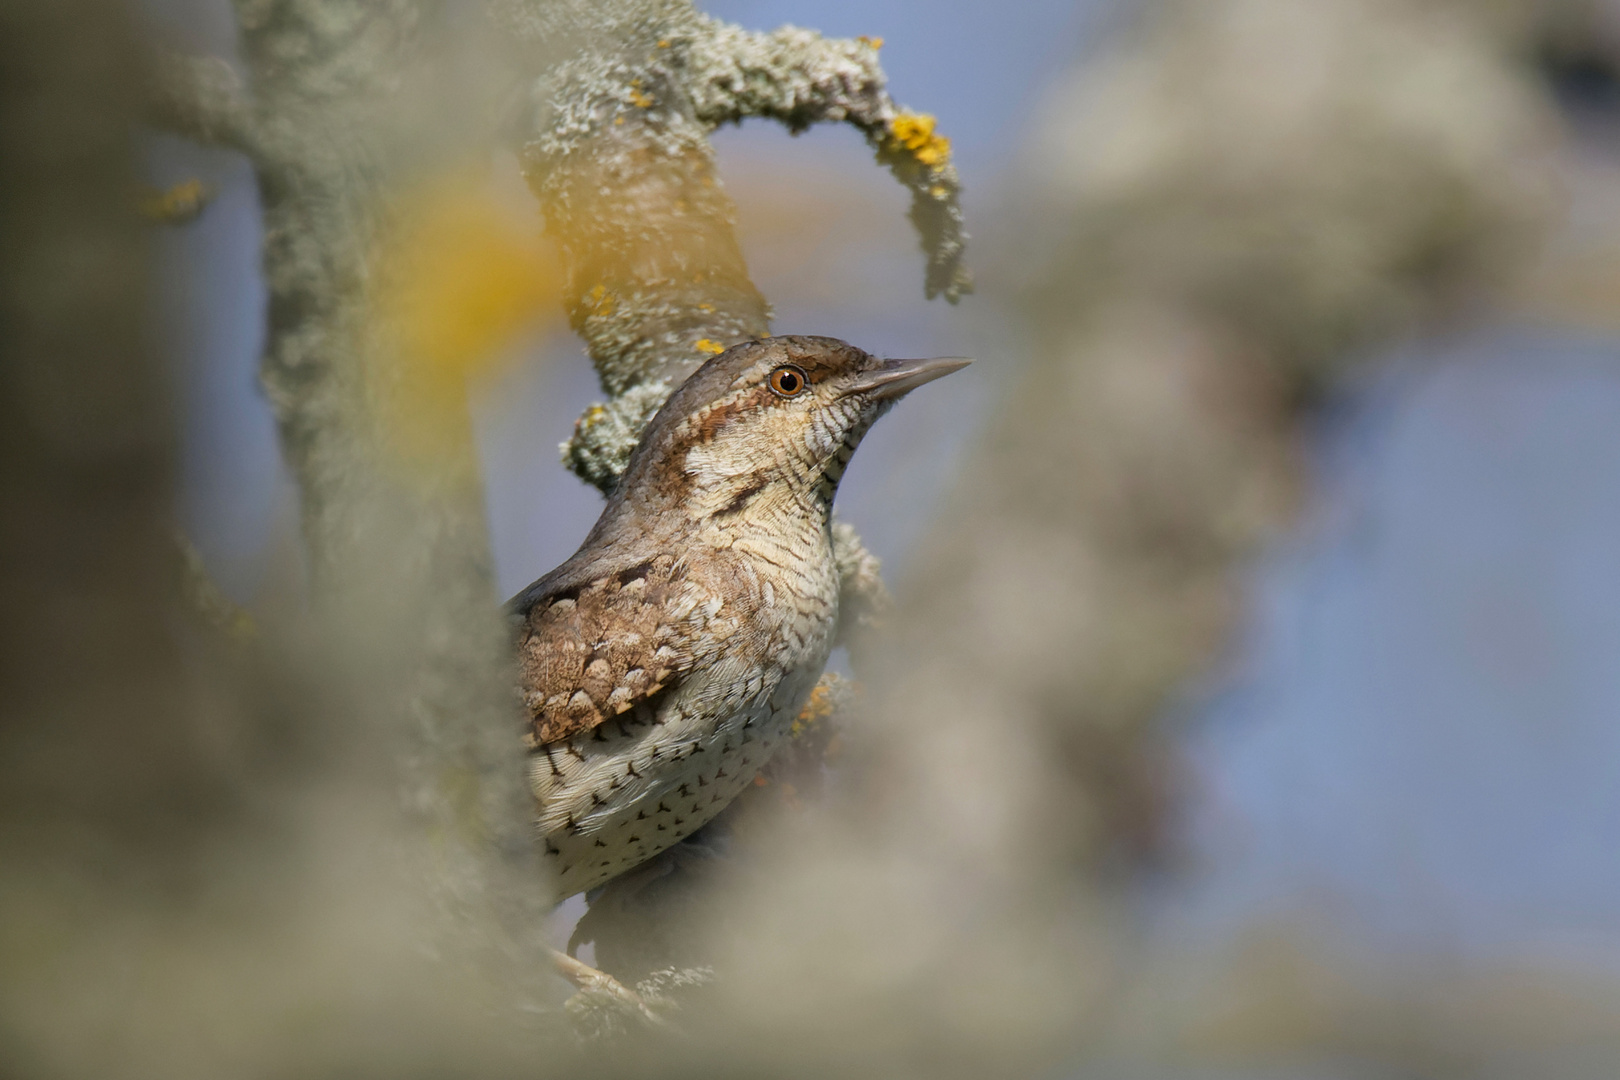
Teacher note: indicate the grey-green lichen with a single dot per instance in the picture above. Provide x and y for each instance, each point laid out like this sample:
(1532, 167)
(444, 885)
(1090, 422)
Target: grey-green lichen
(799, 78)
(618, 421)
(617, 149)
(403, 566)
(863, 599)
(202, 98)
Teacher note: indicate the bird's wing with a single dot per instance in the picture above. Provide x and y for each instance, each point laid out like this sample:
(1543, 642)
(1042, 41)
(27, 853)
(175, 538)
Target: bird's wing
(591, 646)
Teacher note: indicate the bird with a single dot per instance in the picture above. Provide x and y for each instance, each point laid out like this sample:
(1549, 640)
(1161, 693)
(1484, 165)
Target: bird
(661, 664)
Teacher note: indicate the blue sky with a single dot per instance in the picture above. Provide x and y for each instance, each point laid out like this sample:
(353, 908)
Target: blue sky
(1420, 731)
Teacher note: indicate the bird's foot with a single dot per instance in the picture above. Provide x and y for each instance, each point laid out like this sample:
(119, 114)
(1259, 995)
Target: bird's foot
(598, 989)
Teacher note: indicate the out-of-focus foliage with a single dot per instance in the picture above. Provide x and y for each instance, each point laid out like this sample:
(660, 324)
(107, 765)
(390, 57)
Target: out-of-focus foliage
(459, 276)
(1312, 176)
(207, 867)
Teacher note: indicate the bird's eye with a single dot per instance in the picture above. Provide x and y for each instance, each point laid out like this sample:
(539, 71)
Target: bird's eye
(788, 381)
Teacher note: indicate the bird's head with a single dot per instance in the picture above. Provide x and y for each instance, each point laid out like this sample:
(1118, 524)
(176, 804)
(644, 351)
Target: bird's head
(777, 418)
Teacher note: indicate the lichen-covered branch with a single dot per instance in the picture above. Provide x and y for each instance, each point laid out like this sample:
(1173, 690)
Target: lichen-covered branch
(1232, 240)
(863, 599)
(400, 561)
(195, 839)
(319, 72)
(799, 78)
(203, 99)
(601, 993)
(618, 153)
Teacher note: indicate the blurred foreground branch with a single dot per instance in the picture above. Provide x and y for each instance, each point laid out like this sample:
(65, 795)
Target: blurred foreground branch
(201, 852)
(203, 99)
(1231, 211)
(399, 554)
(1229, 208)
(1237, 238)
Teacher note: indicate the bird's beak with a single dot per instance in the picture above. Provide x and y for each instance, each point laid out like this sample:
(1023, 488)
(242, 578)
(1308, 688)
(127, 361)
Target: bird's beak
(896, 377)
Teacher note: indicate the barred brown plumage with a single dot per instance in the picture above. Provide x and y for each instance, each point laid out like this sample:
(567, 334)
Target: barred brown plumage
(663, 662)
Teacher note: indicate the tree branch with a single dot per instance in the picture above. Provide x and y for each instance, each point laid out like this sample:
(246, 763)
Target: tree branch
(799, 78)
(400, 559)
(599, 984)
(617, 151)
(203, 99)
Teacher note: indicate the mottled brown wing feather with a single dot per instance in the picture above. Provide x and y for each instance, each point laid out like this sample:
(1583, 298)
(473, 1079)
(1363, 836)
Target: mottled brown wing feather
(593, 650)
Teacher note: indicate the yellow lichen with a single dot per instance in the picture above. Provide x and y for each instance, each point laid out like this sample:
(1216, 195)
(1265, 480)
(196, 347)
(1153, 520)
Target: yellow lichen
(457, 278)
(640, 100)
(914, 132)
(601, 301)
(664, 43)
(817, 707)
(870, 42)
(713, 348)
(175, 205)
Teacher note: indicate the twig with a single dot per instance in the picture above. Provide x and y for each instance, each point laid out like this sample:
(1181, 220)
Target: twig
(587, 978)
(800, 78)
